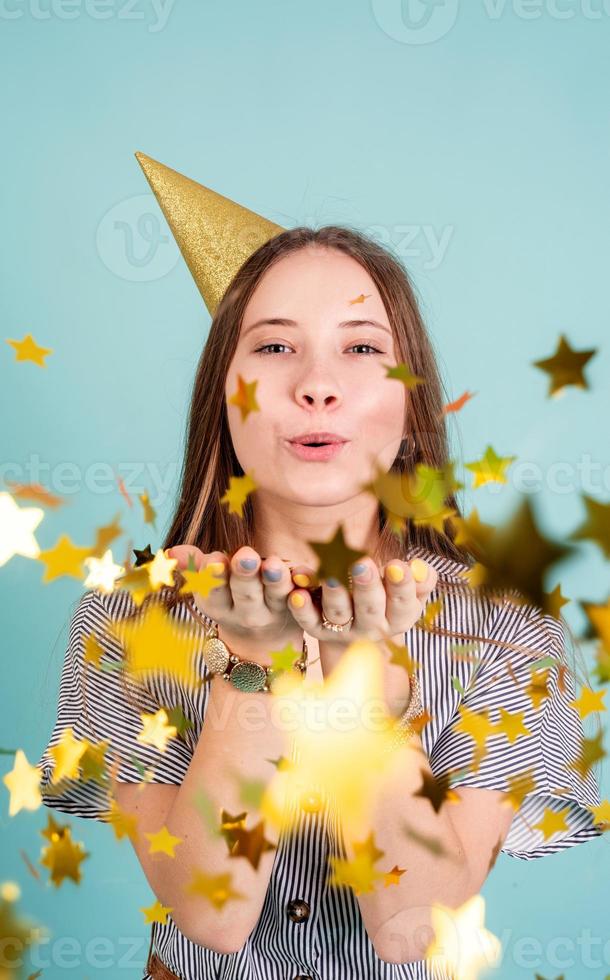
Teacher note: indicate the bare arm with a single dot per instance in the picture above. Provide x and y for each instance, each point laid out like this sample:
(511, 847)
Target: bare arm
(238, 737)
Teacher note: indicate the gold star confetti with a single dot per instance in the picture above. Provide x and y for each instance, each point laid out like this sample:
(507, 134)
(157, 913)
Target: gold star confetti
(155, 730)
(64, 558)
(156, 642)
(461, 944)
(402, 372)
(66, 755)
(565, 367)
(336, 558)
(23, 784)
(393, 877)
(245, 397)
(239, 489)
(217, 889)
(589, 701)
(149, 511)
(124, 824)
(552, 822)
(63, 856)
(163, 842)
(28, 350)
(491, 468)
(156, 913)
(17, 525)
(103, 572)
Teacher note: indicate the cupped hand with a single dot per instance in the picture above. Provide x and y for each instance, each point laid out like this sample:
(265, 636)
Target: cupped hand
(249, 605)
(384, 603)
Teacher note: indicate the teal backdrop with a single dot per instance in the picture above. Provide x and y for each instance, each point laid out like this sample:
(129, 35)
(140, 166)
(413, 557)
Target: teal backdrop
(472, 138)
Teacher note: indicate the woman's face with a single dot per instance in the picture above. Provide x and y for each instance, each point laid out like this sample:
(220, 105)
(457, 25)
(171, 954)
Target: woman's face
(317, 375)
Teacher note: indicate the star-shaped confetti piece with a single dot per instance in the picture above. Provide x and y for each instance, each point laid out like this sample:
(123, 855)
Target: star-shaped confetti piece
(250, 844)
(17, 525)
(565, 367)
(516, 557)
(552, 822)
(461, 944)
(156, 913)
(64, 558)
(217, 889)
(402, 372)
(67, 755)
(63, 856)
(103, 572)
(162, 842)
(155, 730)
(28, 350)
(245, 397)
(156, 642)
(23, 784)
(239, 489)
(393, 877)
(336, 558)
(358, 873)
(491, 468)
(589, 701)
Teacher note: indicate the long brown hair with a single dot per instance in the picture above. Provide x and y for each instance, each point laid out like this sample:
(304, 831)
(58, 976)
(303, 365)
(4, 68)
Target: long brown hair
(209, 459)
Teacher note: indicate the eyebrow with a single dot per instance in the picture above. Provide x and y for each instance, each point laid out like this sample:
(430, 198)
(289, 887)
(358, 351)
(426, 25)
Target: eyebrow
(280, 321)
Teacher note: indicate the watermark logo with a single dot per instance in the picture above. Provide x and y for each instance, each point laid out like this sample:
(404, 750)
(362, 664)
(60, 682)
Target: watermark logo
(132, 240)
(415, 21)
(155, 13)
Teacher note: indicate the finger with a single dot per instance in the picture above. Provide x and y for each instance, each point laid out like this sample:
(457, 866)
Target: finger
(403, 604)
(369, 597)
(246, 586)
(336, 601)
(277, 582)
(306, 615)
(219, 599)
(182, 553)
(425, 576)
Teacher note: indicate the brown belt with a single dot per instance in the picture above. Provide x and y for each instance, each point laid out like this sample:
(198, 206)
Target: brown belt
(157, 968)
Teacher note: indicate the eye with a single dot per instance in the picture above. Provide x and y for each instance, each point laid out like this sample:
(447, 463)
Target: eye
(370, 347)
(265, 348)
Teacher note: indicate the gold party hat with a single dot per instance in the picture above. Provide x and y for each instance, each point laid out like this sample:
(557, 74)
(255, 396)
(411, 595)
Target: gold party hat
(214, 234)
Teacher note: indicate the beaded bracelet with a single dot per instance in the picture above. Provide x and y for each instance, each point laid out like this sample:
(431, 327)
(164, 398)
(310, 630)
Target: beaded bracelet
(403, 731)
(244, 675)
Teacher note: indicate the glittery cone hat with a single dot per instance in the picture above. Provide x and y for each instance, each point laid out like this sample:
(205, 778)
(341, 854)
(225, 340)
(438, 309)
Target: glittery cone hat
(214, 234)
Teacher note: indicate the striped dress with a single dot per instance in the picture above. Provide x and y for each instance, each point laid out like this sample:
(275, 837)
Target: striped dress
(308, 929)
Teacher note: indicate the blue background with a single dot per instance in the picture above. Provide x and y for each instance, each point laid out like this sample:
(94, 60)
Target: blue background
(492, 137)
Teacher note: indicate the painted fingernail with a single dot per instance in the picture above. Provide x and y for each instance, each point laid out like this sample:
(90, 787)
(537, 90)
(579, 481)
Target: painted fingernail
(272, 574)
(333, 582)
(395, 573)
(248, 563)
(297, 600)
(217, 567)
(301, 579)
(419, 570)
(362, 571)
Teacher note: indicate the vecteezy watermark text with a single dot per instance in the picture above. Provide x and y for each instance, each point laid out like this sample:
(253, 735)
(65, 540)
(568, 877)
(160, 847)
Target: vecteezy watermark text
(154, 12)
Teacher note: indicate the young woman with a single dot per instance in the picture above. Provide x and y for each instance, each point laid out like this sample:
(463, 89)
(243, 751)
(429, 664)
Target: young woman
(316, 316)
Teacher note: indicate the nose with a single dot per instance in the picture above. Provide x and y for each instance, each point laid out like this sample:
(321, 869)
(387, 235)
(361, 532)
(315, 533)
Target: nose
(319, 390)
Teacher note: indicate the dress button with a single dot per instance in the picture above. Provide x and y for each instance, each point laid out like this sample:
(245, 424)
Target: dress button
(298, 911)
